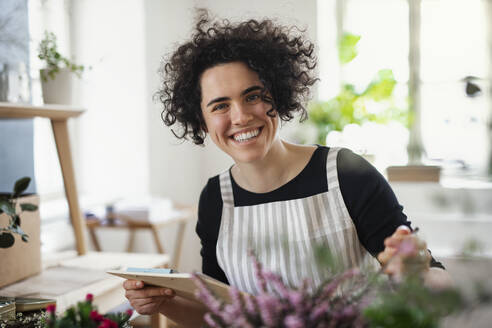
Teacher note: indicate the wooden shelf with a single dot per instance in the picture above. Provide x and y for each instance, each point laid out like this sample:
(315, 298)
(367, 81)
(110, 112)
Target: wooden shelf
(59, 115)
(53, 112)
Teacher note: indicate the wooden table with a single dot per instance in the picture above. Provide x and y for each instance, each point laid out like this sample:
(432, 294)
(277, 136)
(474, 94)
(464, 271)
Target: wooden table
(69, 278)
(59, 115)
(117, 220)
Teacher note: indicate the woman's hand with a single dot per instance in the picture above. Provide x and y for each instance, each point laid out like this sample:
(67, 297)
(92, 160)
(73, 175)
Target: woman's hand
(146, 299)
(404, 253)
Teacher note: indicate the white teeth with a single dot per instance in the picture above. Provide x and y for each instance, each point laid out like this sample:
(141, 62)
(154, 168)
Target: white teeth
(246, 136)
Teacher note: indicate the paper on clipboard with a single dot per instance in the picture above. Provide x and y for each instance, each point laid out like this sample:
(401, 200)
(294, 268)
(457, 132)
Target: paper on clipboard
(181, 283)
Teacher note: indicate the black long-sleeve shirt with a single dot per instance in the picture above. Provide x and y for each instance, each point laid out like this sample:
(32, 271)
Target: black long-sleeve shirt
(369, 199)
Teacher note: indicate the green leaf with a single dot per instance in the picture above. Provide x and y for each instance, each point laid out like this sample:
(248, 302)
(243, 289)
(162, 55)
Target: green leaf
(382, 86)
(7, 207)
(17, 220)
(21, 185)
(29, 207)
(347, 50)
(17, 229)
(6, 240)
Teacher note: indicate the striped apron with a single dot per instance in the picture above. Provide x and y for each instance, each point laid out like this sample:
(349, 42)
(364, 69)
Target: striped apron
(285, 234)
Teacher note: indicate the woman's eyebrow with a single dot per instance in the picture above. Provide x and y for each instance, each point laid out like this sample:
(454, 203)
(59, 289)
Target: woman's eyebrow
(245, 91)
(216, 100)
(253, 88)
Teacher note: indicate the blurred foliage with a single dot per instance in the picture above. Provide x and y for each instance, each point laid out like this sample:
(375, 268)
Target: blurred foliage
(347, 49)
(413, 305)
(472, 247)
(350, 106)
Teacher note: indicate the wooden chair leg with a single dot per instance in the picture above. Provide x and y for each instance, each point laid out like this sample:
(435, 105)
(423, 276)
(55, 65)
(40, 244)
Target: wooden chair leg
(95, 241)
(60, 131)
(131, 240)
(155, 233)
(178, 243)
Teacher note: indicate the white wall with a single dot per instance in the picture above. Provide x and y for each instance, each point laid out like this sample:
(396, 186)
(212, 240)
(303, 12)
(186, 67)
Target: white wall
(109, 36)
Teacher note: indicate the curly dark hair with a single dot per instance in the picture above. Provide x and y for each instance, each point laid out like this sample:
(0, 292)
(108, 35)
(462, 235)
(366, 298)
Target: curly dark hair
(283, 60)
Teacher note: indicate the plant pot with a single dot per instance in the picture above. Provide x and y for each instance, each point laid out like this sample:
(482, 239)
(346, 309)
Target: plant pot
(23, 259)
(58, 90)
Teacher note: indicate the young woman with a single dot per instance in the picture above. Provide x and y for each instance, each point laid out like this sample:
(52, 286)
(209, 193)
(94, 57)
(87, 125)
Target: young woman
(236, 83)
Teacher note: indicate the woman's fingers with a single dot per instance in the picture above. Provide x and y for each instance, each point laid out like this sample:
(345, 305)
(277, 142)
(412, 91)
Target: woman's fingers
(386, 255)
(149, 292)
(132, 284)
(139, 302)
(150, 308)
(148, 305)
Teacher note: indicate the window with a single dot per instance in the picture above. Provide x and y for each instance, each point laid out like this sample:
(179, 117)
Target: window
(452, 46)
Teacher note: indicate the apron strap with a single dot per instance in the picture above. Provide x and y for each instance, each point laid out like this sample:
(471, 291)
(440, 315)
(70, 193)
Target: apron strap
(331, 168)
(226, 189)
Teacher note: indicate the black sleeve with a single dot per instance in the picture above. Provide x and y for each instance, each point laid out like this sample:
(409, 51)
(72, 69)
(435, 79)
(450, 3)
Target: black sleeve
(207, 228)
(370, 201)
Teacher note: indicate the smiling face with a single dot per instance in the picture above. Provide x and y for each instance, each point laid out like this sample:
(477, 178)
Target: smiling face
(235, 114)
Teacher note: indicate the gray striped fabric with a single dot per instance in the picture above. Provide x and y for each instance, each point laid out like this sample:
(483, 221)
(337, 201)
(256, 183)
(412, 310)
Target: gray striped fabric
(285, 234)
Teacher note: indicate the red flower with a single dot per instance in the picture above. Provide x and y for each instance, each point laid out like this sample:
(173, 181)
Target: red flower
(108, 324)
(89, 297)
(129, 312)
(95, 316)
(51, 308)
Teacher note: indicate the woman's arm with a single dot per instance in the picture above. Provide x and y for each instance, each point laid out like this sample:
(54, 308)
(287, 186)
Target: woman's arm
(371, 202)
(151, 300)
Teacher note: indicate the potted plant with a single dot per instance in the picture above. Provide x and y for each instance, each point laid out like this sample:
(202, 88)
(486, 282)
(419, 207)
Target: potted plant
(19, 259)
(56, 77)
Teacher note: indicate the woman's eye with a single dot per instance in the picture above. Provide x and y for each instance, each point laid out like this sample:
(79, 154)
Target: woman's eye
(253, 98)
(220, 106)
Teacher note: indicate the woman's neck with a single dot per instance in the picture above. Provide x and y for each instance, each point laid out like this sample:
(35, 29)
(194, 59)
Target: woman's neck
(282, 163)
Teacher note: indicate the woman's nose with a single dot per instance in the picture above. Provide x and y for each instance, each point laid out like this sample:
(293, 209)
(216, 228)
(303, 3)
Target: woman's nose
(240, 114)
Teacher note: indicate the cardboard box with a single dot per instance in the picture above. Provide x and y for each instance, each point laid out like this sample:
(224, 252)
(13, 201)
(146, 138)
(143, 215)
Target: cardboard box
(23, 259)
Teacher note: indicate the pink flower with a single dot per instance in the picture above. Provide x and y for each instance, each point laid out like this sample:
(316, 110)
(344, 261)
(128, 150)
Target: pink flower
(293, 321)
(108, 324)
(51, 308)
(210, 321)
(407, 247)
(89, 297)
(207, 297)
(129, 312)
(95, 316)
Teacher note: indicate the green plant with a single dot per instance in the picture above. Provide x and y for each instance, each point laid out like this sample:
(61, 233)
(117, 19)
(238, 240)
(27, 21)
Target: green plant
(85, 315)
(54, 61)
(350, 106)
(8, 206)
(82, 315)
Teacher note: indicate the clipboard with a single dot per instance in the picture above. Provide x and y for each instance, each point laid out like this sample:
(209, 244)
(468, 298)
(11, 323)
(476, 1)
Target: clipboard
(182, 283)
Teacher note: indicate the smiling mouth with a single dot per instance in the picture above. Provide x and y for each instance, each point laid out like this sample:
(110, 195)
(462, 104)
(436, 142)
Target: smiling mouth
(247, 136)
